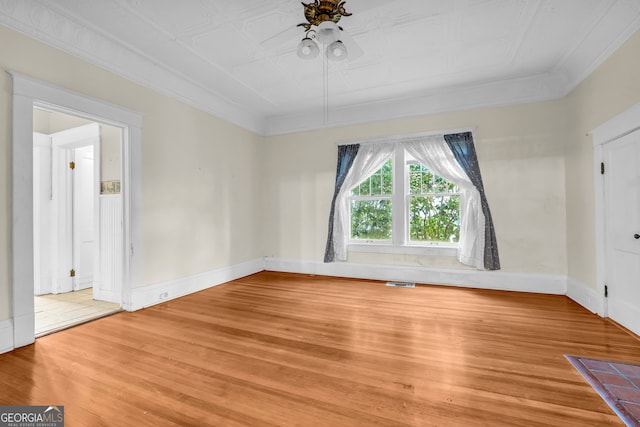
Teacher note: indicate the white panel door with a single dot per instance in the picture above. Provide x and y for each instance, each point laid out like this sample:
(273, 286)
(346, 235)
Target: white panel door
(622, 217)
(76, 191)
(84, 231)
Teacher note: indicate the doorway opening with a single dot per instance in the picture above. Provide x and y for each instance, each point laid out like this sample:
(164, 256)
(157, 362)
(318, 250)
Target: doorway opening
(27, 94)
(77, 227)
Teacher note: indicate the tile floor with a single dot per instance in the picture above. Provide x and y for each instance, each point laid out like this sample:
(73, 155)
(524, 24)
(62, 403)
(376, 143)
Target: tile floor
(617, 383)
(61, 311)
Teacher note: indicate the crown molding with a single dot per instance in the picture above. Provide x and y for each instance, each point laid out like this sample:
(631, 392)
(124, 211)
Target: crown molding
(580, 63)
(54, 29)
(493, 94)
(40, 22)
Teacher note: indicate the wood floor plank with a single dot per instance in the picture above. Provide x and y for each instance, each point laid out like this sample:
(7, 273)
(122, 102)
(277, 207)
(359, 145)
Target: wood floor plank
(288, 349)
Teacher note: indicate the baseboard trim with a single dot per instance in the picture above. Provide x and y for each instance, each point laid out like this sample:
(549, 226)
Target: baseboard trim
(497, 280)
(6, 336)
(146, 296)
(586, 296)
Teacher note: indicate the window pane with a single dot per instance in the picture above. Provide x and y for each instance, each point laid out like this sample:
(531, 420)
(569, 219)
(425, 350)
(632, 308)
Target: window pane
(376, 184)
(371, 219)
(423, 181)
(415, 181)
(380, 183)
(386, 174)
(428, 185)
(434, 219)
(387, 184)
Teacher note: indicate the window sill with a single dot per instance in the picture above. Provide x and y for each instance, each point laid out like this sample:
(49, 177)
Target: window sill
(387, 248)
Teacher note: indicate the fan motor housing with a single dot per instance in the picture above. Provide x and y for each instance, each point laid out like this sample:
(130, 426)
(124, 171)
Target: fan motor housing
(324, 10)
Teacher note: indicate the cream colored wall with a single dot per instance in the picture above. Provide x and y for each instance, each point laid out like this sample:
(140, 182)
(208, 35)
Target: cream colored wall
(41, 121)
(521, 155)
(212, 191)
(607, 92)
(199, 174)
(48, 122)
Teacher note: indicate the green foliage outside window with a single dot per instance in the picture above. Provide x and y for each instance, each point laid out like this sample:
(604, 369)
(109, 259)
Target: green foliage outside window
(433, 216)
(434, 207)
(371, 217)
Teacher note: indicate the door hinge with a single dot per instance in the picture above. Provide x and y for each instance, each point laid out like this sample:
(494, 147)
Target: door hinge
(72, 165)
(606, 291)
(72, 273)
(602, 168)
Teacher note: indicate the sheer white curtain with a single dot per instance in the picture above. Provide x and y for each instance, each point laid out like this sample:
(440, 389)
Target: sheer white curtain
(369, 159)
(435, 154)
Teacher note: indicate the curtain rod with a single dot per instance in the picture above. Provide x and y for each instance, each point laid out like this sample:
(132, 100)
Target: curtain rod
(392, 138)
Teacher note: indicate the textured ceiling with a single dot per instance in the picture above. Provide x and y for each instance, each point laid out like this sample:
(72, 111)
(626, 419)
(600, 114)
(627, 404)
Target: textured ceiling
(236, 58)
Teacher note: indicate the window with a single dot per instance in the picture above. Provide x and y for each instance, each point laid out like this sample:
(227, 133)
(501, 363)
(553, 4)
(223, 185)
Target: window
(407, 207)
(371, 203)
(434, 206)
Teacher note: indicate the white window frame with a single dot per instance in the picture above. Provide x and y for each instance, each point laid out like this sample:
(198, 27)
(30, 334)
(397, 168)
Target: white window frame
(400, 243)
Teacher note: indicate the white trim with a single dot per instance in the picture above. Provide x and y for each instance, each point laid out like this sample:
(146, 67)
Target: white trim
(104, 51)
(387, 248)
(397, 138)
(586, 296)
(616, 127)
(542, 87)
(6, 336)
(27, 93)
(157, 293)
(626, 314)
(496, 280)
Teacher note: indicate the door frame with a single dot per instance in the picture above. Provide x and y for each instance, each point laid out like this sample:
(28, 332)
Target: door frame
(621, 125)
(27, 94)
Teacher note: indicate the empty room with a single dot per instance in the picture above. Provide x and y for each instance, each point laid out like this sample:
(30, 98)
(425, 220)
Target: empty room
(334, 213)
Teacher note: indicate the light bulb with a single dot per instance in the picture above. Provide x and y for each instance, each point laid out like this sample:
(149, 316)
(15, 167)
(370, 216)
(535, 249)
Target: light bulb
(337, 51)
(308, 49)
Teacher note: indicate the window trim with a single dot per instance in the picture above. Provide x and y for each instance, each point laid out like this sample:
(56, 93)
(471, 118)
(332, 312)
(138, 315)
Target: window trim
(400, 242)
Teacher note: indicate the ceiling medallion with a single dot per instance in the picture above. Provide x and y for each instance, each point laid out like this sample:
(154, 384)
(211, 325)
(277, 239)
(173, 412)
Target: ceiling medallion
(320, 11)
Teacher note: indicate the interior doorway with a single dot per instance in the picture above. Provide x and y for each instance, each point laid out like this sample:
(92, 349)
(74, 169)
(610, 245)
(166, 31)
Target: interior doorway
(76, 221)
(27, 93)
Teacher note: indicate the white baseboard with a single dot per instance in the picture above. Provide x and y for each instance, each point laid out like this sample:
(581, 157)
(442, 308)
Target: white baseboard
(498, 280)
(6, 336)
(586, 296)
(156, 293)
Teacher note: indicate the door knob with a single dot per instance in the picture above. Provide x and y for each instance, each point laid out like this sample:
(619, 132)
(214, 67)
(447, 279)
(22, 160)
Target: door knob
(636, 236)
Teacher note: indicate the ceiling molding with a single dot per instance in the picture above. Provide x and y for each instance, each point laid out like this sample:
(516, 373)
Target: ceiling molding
(493, 94)
(54, 29)
(580, 63)
(79, 38)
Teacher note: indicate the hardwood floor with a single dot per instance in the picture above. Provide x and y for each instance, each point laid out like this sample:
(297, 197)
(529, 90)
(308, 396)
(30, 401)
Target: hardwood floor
(286, 349)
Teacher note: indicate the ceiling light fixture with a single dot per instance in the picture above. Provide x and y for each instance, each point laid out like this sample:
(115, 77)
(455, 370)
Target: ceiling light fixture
(308, 49)
(337, 51)
(322, 27)
(328, 32)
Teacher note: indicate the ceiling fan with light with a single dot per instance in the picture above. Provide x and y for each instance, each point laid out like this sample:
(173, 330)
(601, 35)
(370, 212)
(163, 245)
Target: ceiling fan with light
(322, 28)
